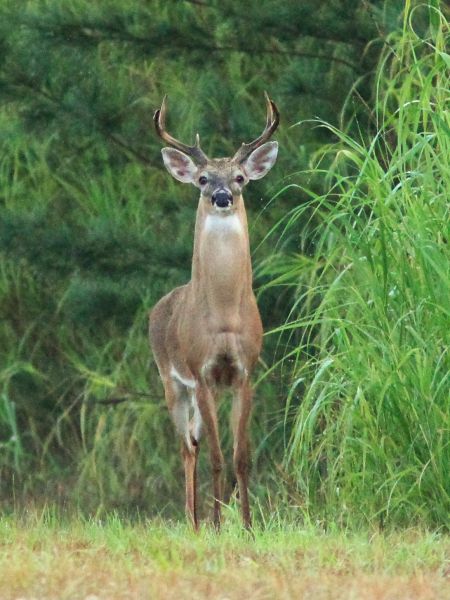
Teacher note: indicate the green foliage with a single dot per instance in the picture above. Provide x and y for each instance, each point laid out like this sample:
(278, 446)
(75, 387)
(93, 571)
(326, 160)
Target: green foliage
(93, 232)
(369, 398)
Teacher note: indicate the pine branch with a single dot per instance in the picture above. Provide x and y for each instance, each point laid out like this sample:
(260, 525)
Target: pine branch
(128, 395)
(115, 138)
(102, 32)
(199, 3)
(123, 144)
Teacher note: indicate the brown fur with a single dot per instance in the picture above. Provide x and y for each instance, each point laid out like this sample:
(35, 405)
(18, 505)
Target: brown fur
(212, 321)
(207, 334)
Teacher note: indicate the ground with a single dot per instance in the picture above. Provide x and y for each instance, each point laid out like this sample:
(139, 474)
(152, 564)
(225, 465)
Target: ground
(45, 557)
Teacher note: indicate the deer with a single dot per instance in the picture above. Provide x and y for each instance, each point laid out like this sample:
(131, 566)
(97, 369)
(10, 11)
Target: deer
(206, 336)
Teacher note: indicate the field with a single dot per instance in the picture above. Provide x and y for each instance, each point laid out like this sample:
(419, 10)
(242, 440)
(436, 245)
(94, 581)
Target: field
(350, 487)
(43, 556)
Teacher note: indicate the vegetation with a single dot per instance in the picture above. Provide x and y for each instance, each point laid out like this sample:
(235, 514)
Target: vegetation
(351, 420)
(369, 323)
(46, 557)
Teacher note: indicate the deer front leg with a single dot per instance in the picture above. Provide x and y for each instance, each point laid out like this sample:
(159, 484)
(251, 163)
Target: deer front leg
(208, 411)
(240, 415)
(178, 397)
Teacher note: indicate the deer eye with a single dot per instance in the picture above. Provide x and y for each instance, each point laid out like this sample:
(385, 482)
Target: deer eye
(239, 178)
(203, 180)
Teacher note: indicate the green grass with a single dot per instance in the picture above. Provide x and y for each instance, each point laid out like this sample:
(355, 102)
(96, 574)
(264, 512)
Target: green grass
(45, 555)
(369, 328)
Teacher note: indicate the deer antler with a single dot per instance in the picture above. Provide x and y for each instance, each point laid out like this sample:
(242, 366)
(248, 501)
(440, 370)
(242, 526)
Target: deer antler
(194, 152)
(272, 122)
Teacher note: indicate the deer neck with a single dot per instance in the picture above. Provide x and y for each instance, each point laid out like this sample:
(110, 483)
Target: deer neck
(221, 267)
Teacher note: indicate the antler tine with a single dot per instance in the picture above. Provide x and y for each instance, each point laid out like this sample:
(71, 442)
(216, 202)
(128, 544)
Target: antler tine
(269, 111)
(272, 122)
(194, 151)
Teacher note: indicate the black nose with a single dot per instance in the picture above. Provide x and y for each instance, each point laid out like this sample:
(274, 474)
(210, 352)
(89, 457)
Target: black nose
(222, 198)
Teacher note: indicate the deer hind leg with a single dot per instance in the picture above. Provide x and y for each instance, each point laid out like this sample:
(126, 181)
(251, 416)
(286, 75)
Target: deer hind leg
(179, 398)
(206, 403)
(190, 456)
(242, 403)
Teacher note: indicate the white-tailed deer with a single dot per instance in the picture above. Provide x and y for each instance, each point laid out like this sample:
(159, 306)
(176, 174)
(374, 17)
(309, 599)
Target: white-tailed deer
(207, 334)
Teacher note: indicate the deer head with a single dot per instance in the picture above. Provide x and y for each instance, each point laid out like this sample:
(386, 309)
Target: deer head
(220, 180)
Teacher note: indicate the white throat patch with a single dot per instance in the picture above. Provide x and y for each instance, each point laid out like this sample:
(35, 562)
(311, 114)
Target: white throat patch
(223, 223)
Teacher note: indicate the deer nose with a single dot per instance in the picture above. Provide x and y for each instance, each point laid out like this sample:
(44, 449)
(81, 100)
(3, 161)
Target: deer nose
(222, 198)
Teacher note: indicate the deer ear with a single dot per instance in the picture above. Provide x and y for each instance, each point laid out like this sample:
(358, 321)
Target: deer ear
(179, 165)
(261, 160)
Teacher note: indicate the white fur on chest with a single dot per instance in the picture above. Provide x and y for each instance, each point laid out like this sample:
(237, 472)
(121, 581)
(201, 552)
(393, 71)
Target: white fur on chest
(223, 224)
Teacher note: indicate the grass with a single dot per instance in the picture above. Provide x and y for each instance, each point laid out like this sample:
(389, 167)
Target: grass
(44, 555)
(367, 413)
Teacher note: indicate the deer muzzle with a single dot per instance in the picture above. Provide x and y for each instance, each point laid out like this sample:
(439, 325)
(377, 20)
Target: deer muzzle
(222, 198)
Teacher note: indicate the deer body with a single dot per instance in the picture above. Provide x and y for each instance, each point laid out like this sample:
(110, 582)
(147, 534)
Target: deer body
(207, 334)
